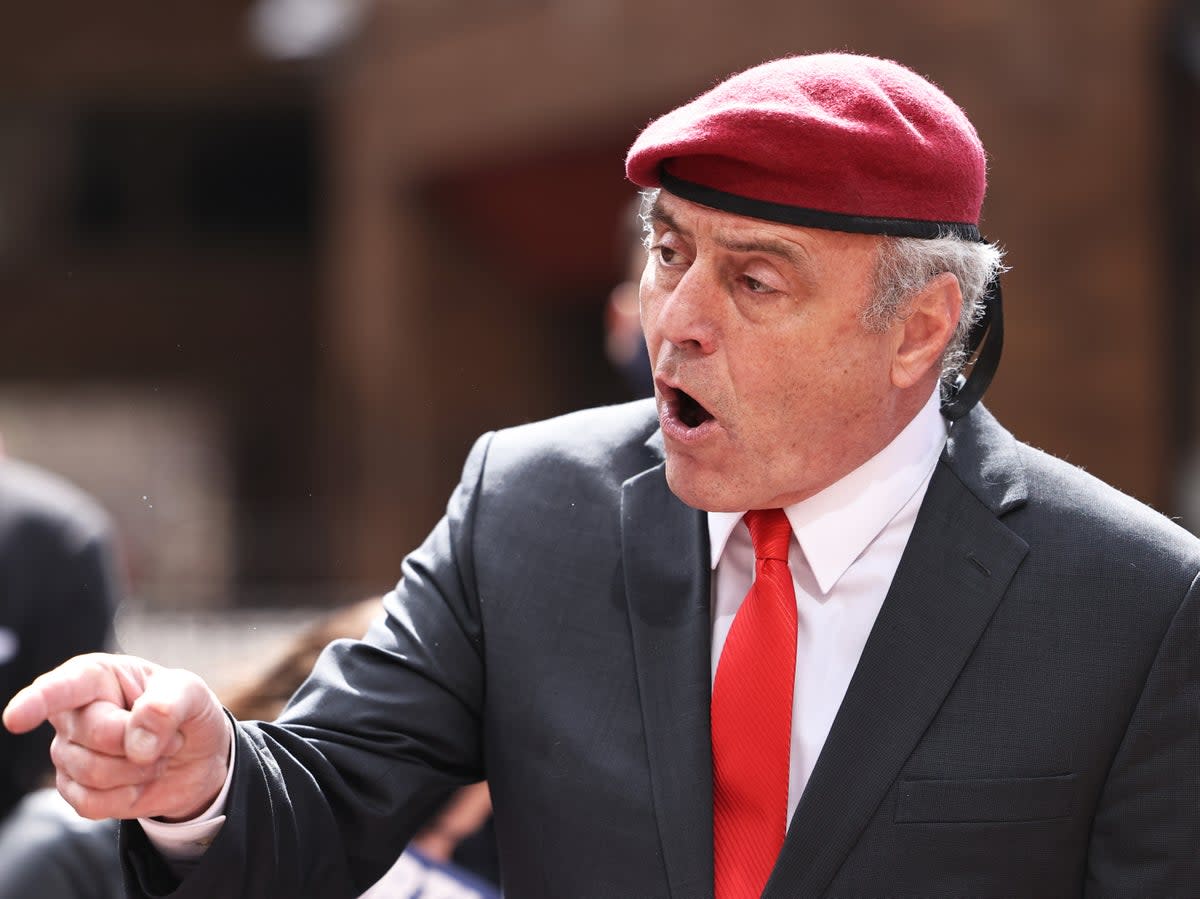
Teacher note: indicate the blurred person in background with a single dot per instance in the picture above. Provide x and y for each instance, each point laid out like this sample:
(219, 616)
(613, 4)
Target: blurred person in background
(49, 851)
(812, 623)
(58, 594)
(624, 339)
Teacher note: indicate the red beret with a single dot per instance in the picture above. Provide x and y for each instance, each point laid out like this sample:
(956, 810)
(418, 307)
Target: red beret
(837, 141)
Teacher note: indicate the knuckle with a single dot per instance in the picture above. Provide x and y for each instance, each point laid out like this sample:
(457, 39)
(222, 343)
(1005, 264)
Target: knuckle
(83, 769)
(104, 728)
(157, 710)
(88, 805)
(74, 793)
(91, 802)
(89, 770)
(66, 723)
(77, 764)
(61, 753)
(73, 668)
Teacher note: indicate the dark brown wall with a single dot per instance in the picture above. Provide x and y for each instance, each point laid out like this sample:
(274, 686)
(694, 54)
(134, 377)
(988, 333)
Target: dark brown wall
(1064, 96)
(462, 230)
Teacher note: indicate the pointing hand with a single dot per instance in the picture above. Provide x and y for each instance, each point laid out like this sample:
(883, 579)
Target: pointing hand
(133, 739)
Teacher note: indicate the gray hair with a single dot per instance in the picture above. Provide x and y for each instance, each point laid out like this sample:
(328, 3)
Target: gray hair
(649, 196)
(904, 265)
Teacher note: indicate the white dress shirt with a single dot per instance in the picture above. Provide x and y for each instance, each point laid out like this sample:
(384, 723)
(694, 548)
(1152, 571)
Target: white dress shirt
(846, 545)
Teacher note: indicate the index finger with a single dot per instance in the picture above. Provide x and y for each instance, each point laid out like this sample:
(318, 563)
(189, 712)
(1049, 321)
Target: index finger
(72, 685)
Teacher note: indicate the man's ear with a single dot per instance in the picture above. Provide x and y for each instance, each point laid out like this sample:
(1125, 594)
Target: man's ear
(925, 329)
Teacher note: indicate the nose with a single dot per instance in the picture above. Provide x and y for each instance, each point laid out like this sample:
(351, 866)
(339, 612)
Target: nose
(684, 314)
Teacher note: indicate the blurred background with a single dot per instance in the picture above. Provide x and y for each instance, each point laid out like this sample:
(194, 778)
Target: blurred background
(267, 267)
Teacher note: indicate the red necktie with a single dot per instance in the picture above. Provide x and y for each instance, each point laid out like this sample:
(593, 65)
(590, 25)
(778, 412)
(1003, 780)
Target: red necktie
(752, 718)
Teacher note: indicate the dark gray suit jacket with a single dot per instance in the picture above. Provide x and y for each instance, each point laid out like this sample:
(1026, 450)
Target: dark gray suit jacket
(1023, 722)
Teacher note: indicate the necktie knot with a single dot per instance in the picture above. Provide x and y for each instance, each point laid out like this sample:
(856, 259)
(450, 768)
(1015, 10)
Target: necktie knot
(770, 532)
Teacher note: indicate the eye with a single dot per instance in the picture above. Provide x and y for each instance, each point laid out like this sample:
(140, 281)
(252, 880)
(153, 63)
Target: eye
(665, 254)
(756, 286)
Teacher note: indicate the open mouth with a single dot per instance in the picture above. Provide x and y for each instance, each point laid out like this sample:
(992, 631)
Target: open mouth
(688, 411)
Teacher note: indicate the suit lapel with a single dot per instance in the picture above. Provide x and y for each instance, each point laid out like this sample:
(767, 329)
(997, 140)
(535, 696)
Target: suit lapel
(957, 565)
(665, 554)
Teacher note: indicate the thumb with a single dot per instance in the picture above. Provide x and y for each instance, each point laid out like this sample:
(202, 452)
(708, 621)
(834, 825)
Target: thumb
(174, 704)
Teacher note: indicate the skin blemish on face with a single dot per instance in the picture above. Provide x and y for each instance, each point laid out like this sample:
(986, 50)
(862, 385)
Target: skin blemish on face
(769, 384)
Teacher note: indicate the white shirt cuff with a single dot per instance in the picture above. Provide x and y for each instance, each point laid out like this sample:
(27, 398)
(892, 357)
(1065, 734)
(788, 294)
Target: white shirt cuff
(186, 841)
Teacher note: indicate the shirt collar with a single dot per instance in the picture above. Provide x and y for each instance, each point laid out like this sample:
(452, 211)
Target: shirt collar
(833, 527)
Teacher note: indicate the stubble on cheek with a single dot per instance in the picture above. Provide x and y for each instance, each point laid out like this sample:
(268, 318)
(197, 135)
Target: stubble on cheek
(687, 482)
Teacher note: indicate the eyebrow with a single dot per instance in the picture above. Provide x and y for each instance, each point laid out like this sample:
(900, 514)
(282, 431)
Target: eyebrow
(658, 215)
(793, 254)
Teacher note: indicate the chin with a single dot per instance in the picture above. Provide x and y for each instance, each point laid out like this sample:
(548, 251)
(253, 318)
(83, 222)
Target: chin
(700, 489)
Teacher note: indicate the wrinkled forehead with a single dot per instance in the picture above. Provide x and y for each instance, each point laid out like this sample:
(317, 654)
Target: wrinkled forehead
(812, 250)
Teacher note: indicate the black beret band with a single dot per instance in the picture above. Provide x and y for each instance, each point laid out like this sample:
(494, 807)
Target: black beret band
(813, 218)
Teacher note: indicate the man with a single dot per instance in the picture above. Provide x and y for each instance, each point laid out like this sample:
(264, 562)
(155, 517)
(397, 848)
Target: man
(961, 668)
(57, 597)
(624, 339)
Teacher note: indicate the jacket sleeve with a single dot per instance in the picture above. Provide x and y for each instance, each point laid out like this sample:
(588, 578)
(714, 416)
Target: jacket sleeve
(1146, 829)
(324, 799)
